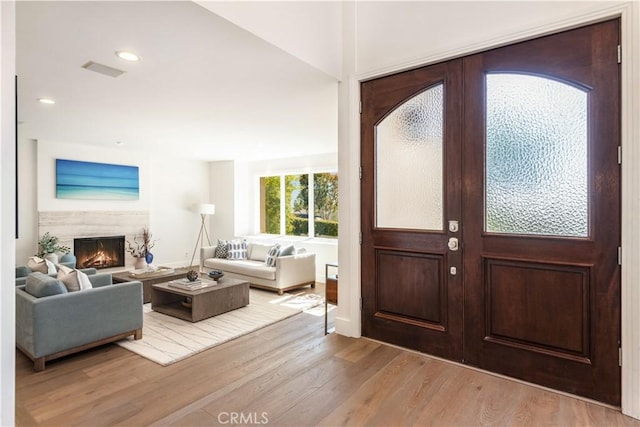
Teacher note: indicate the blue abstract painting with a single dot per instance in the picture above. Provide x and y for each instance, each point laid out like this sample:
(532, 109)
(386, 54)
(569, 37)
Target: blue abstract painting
(97, 181)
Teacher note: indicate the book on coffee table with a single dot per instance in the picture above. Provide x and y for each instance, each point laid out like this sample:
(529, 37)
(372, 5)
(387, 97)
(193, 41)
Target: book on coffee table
(189, 285)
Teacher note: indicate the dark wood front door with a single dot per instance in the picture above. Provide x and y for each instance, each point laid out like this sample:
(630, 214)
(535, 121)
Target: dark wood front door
(530, 182)
(410, 296)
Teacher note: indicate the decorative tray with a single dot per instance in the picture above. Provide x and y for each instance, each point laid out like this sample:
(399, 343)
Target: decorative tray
(147, 272)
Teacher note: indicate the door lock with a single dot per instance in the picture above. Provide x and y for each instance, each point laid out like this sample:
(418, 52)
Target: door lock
(453, 244)
(453, 226)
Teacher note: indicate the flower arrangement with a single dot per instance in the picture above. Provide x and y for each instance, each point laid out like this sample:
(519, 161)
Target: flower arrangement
(48, 244)
(141, 247)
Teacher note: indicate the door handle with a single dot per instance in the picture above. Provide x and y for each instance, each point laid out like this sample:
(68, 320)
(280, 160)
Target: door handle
(453, 244)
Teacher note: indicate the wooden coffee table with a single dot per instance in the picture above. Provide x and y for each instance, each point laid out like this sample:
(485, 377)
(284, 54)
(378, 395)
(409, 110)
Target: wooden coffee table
(147, 282)
(226, 295)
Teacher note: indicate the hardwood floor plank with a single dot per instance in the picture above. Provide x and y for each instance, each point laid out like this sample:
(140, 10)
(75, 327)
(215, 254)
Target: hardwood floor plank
(357, 350)
(338, 389)
(294, 374)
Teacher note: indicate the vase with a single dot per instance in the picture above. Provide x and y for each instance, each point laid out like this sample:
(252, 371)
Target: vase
(68, 259)
(140, 264)
(149, 257)
(53, 257)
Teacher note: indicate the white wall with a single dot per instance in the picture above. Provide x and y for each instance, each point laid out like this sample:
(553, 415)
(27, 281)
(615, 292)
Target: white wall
(26, 244)
(417, 30)
(7, 217)
(222, 194)
(170, 188)
(176, 187)
(309, 30)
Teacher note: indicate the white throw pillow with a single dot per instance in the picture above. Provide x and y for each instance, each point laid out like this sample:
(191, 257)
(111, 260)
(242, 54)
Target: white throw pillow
(85, 283)
(258, 251)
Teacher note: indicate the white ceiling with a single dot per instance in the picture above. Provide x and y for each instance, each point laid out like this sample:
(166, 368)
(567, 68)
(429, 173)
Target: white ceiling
(204, 89)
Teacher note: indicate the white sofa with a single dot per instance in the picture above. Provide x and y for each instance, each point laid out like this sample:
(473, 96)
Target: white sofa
(290, 272)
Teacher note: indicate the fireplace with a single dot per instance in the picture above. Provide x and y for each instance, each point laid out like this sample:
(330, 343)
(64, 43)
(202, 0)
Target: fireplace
(99, 252)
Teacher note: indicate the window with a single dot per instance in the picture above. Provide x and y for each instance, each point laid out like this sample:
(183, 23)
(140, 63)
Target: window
(300, 205)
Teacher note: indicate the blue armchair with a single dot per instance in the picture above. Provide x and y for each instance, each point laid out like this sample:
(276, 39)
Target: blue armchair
(55, 323)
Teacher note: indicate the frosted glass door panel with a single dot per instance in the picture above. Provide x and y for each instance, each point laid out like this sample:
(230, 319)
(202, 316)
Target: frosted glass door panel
(536, 157)
(409, 182)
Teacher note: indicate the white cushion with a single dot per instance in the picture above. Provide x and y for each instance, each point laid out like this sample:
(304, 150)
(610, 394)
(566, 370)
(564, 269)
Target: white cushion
(85, 283)
(245, 267)
(258, 251)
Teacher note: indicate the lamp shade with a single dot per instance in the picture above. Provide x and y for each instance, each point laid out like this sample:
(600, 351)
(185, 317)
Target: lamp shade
(207, 209)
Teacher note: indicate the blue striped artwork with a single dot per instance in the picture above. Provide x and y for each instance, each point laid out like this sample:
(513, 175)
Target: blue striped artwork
(96, 181)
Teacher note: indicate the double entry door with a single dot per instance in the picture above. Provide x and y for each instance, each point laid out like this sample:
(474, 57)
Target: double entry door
(491, 210)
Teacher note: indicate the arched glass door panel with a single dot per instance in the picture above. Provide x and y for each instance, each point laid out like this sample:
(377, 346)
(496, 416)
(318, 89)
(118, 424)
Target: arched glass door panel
(409, 156)
(536, 157)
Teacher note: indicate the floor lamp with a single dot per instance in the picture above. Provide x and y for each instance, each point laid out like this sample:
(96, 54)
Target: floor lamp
(205, 210)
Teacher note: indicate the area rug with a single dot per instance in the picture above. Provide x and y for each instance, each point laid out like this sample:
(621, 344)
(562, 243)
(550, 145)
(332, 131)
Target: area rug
(166, 339)
(300, 301)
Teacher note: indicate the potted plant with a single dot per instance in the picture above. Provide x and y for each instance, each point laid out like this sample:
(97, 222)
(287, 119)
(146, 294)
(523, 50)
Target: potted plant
(48, 245)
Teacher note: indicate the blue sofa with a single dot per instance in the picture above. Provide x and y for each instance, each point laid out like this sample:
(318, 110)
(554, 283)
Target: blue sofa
(58, 323)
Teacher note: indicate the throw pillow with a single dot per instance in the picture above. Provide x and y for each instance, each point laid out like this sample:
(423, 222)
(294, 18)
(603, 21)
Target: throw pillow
(272, 254)
(221, 250)
(85, 283)
(41, 265)
(237, 249)
(258, 251)
(74, 280)
(287, 250)
(41, 285)
(69, 277)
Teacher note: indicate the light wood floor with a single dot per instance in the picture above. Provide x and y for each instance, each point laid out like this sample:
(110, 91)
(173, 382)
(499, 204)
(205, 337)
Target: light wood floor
(289, 374)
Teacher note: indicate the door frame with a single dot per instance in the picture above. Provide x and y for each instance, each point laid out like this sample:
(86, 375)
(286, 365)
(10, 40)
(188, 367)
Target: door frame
(348, 321)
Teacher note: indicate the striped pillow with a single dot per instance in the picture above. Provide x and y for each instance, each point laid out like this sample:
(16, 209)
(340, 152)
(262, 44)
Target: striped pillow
(270, 261)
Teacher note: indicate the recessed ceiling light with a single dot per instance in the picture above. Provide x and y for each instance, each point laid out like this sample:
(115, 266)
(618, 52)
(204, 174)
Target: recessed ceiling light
(119, 143)
(127, 56)
(46, 101)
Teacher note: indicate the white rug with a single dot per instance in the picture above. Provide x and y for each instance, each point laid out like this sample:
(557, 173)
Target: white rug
(299, 301)
(166, 339)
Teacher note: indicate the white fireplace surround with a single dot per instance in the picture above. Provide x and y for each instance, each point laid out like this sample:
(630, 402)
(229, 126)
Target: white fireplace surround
(67, 225)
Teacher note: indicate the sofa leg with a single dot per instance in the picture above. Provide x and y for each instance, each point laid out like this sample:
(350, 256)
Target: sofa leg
(313, 285)
(137, 334)
(38, 364)
(280, 292)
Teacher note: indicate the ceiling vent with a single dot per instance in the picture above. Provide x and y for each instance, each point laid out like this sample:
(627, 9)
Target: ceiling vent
(102, 69)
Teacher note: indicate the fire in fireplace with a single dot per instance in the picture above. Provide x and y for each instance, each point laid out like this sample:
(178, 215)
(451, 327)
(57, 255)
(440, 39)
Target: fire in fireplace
(99, 252)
